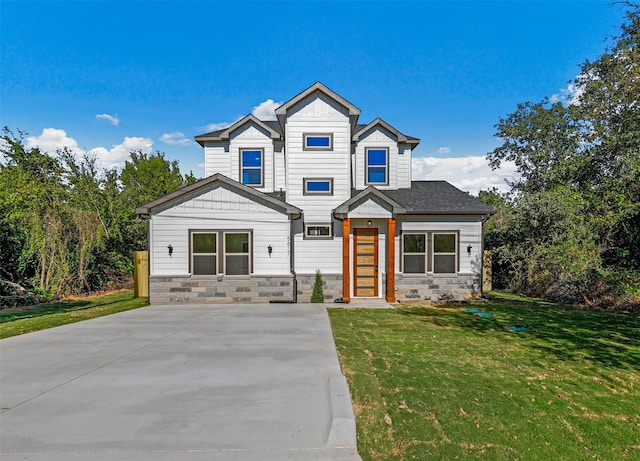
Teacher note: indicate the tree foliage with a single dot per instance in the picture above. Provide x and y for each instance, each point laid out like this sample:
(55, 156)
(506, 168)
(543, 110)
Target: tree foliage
(572, 218)
(66, 226)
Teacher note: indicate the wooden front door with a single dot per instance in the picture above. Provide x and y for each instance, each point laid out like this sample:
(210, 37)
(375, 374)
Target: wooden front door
(365, 262)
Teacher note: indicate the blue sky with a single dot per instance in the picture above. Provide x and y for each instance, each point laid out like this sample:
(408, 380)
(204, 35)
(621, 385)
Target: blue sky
(111, 76)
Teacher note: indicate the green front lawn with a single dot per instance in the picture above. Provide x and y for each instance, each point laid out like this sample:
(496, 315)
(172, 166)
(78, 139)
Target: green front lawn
(442, 383)
(15, 322)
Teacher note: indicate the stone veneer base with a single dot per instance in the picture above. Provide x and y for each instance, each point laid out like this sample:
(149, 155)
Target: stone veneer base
(437, 287)
(183, 289)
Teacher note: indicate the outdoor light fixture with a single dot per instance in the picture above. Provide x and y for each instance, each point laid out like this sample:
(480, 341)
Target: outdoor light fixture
(469, 249)
(369, 223)
(269, 250)
(170, 248)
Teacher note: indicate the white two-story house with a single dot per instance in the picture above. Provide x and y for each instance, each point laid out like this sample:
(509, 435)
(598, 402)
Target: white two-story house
(313, 191)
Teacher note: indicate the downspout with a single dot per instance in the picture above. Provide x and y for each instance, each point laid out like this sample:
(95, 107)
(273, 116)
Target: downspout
(294, 299)
(292, 263)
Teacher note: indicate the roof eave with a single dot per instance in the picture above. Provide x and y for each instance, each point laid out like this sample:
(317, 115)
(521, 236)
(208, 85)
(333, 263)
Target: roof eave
(291, 210)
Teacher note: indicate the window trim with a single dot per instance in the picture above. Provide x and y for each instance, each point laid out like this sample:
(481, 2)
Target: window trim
(366, 166)
(192, 254)
(425, 253)
(249, 252)
(242, 168)
(430, 252)
(306, 191)
(455, 254)
(317, 135)
(221, 252)
(318, 237)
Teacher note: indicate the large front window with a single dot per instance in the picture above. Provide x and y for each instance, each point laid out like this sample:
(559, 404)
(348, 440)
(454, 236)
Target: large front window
(237, 253)
(444, 253)
(252, 167)
(219, 252)
(430, 252)
(377, 166)
(204, 254)
(415, 253)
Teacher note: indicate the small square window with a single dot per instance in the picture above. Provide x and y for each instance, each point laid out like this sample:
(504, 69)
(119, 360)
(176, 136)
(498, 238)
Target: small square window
(318, 186)
(320, 141)
(318, 231)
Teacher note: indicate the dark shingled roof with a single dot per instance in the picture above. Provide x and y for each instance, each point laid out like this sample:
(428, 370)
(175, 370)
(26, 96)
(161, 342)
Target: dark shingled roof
(437, 197)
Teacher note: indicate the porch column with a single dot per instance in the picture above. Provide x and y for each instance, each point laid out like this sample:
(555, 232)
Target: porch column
(391, 260)
(346, 276)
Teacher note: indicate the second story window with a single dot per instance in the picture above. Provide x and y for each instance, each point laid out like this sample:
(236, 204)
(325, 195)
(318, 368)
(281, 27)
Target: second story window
(319, 141)
(318, 186)
(377, 166)
(252, 167)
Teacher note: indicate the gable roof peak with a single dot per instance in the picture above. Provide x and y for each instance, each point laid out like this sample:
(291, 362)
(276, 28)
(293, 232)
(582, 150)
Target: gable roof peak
(402, 138)
(224, 133)
(354, 112)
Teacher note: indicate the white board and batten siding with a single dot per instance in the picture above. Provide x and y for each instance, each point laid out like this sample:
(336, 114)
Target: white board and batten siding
(468, 227)
(217, 159)
(318, 114)
(219, 209)
(399, 160)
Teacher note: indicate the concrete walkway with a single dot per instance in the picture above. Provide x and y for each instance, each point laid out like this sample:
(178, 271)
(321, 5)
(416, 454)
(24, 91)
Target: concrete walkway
(232, 382)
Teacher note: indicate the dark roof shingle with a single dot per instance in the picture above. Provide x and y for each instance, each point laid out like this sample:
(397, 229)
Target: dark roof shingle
(437, 197)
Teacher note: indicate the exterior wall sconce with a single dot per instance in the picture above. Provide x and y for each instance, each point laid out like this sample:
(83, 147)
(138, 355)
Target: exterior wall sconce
(269, 250)
(469, 249)
(170, 248)
(369, 223)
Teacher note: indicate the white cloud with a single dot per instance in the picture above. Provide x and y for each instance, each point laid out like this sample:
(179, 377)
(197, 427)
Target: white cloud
(119, 154)
(216, 126)
(52, 139)
(470, 174)
(573, 93)
(443, 151)
(263, 111)
(175, 138)
(113, 119)
(266, 110)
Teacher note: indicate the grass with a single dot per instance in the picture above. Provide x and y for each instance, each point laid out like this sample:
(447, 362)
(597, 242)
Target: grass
(442, 383)
(49, 315)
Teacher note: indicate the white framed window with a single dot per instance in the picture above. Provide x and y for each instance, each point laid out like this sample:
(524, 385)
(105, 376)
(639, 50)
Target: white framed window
(252, 167)
(318, 186)
(445, 254)
(216, 252)
(318, 231)
(377, 166)
(317, 141)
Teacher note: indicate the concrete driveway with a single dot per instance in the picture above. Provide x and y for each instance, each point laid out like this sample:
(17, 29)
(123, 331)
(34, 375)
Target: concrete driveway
(232, 382)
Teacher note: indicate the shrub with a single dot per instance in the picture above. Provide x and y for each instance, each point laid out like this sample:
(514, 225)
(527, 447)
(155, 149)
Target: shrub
(318, 295)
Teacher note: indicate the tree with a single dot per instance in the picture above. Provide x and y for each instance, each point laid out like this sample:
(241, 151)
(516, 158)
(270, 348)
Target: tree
(65, 225)
(145, 178)
(576, 207)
